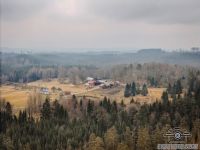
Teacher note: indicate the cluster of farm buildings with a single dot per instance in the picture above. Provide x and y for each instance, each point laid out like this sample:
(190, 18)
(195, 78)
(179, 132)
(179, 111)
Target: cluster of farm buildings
(92, 82)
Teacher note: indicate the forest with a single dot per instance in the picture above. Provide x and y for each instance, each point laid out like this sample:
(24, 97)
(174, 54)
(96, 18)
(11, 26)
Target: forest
(125, 66)
(105, 124)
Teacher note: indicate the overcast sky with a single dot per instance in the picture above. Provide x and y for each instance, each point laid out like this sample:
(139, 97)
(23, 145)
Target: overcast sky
(60, 24)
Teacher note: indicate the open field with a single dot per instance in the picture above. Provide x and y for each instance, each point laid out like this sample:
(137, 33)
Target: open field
(74, 89)
(118, 95)
(18, 96)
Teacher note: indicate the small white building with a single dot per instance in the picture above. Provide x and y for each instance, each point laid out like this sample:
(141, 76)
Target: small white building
(89, 78)
(44, 90)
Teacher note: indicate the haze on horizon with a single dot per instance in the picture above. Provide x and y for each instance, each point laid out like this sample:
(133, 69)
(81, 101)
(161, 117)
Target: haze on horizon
(65, 24)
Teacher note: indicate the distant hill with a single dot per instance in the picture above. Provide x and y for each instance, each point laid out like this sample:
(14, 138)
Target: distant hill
(102, 58)
(151, 51)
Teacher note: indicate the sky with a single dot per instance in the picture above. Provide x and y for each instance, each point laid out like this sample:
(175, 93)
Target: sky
(98, 24)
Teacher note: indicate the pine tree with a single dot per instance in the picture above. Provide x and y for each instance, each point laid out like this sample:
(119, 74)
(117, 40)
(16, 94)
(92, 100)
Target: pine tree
(111, 139)
(8, 109)
(91, 142)
(131, 101)
(197, 93)
(169, 89)
(81, 105)
(174, 98)
(144, 140)
(157, 137)
(90, 107)
(144, 90)
(127, 91)
(122, 103)
(133, 89)
(74, 100)
(95, 143)
(152, 81)
(179, 87)
(22, 117)
(165, 97)
(128, 138)
(46, 109)
(123, 146)
(196, 131)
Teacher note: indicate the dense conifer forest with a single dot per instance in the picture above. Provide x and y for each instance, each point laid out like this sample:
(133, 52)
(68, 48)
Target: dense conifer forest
(104, 124)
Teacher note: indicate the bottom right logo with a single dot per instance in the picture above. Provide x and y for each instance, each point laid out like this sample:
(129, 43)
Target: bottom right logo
(177, 139)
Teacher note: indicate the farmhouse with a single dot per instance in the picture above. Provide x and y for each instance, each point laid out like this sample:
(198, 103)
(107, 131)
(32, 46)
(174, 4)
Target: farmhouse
(91, 82)
(44, 90)
(89, 78)
(109, 84)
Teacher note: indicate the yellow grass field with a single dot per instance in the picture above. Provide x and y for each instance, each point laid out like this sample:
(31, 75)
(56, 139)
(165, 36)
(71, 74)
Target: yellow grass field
(18, 96)
(118, 95)
(74, 89)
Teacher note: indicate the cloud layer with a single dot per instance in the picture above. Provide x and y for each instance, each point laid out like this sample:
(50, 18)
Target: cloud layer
(154, 11)
(158, 11)
(100, 23)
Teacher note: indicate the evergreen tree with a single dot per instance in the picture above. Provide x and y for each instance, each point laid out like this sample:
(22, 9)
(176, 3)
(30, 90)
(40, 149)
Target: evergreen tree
(157, 136)
(128, 138)
(144, 140)
(95, 143)
(197, 93)
(144, 90)
(152, 81)
(164, 97)
(179, 87)
(133, 89)
(131, 101)
(8, 109)
(123, 146)
(74, 100)
(46, 109)
(122, 103)
(111, 139)
(81, 105)
(169, 89)
(90, 107)
(22, 117)
(127, 91)
(174, 98)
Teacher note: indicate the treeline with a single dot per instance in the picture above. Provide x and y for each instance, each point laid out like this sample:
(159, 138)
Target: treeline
(24, 74)
(176, 88)
(104, 58)
(132, 90)
(104, 124)
(153, 74)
